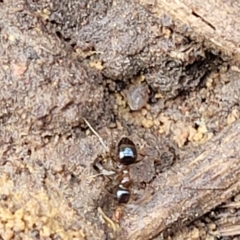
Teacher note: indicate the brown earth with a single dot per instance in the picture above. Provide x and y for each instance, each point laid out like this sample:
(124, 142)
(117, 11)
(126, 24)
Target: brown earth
(127, 71)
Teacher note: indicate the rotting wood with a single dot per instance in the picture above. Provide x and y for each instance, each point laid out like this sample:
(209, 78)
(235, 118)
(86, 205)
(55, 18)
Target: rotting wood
(191, 189)
(217, 21)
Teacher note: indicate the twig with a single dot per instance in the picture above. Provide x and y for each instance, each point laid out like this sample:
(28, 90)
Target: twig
(96, 134)
(113, 225)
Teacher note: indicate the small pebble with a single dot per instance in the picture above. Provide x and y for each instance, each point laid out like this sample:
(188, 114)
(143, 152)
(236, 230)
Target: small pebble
(137, 96)
(147, 123)
(195, 234)
(212, 226)
(8, 234)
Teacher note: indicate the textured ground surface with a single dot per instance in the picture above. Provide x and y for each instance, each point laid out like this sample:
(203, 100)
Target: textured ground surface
(64, 61)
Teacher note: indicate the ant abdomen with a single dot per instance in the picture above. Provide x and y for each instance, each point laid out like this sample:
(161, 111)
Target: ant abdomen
(123, 195)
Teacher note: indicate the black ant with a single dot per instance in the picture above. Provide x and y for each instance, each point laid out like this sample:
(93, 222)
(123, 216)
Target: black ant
(126, 155)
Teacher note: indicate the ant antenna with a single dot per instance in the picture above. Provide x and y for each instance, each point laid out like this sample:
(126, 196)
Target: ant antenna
(95, 133)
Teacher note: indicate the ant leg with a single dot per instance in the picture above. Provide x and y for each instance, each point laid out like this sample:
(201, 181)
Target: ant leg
(100, 169)
(110, 194)
(104, 171)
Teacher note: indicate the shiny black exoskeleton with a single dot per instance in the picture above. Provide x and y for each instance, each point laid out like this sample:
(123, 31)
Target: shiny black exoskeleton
(127, 155)
(127, 152)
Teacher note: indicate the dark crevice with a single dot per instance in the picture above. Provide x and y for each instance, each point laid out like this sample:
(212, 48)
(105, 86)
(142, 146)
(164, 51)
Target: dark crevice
(60, 36)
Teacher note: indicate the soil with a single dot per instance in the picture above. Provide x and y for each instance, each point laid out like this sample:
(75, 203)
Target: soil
(66, 61)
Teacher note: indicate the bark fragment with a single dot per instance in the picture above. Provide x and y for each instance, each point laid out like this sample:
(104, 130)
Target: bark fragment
(215, 22)
(191, 189)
